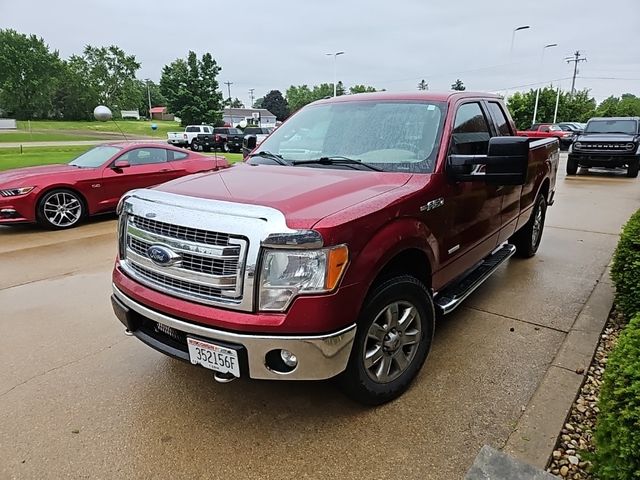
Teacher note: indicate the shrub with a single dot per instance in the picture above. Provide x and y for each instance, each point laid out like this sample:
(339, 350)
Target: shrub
(617, 433)
(625, 270)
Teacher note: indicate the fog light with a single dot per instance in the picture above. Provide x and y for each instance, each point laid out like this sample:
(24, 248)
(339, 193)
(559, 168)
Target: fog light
(289, 359)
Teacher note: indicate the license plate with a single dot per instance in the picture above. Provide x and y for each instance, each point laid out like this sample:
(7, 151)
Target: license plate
(213, 357)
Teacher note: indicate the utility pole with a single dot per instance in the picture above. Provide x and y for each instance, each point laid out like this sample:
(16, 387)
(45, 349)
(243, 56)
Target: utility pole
(149, 98)
(251, 90)
(576, 58)
(228, 84)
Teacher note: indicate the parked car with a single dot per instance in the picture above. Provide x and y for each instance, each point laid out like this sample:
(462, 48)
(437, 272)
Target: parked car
(59, 196)
(607, 142)
(185, 139)
(548, 130)
(222, 138)
(260, 135)
(573, 127)
(330, 258)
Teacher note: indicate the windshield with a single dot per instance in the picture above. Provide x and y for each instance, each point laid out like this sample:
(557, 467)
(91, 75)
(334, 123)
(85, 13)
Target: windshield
(95, 157)
(554, 128)
(612, 126)
(392, 136)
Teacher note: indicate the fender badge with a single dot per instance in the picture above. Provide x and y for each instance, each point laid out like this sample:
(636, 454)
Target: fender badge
(438, 202)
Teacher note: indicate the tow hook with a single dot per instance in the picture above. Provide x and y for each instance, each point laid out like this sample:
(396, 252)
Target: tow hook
(128, 332)
(224, 377)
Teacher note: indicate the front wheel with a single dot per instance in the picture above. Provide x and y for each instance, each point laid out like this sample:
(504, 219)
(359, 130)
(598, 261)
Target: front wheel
(527, 239)
(393, 339)
(572, 166)
(194, 146)
(632, 169)
(60, 209)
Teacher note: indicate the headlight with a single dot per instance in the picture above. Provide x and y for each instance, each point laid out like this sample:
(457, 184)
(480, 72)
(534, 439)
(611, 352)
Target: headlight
(630, 146)
(285, 274)
(14, 192)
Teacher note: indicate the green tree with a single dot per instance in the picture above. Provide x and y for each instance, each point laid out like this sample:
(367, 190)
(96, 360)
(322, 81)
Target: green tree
(458, 85)
(362, 89)
(577, 108)
(75, 96)
(257, 103)
(627, 105)
(299, 96)
(276, 104)
(422, 85)
(191, 89)
(29, 73)
(235, 103)
(157, 99)
(112, 73)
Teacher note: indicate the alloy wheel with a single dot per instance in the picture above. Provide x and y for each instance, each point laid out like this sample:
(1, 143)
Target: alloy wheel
(62, 209)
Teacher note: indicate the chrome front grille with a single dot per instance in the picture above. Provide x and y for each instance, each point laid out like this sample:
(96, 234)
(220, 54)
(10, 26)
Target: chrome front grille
(204, 266)
(611, 146)
(181, 233)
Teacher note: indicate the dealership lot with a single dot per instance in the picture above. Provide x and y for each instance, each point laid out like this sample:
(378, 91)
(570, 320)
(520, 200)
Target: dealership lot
(78, 397)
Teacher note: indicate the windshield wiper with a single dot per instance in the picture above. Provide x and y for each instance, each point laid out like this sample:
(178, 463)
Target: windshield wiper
(271, 156)
(337, 160)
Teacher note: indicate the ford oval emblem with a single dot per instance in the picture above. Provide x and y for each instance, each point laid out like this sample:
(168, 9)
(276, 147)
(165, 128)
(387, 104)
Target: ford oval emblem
(163, 256)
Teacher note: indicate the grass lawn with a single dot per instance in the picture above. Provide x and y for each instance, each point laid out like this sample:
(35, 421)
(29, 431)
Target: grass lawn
(31, 156)
(131, 127)
(25, 137)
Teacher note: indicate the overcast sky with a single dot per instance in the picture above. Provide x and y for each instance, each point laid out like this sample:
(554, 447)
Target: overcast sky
(269, 45)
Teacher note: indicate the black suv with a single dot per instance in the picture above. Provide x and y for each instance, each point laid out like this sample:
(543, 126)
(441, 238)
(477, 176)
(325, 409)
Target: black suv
(607, 142)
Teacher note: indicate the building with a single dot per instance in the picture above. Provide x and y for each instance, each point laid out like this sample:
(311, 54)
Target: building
(160, 113)
(130, 114)
(256, 116)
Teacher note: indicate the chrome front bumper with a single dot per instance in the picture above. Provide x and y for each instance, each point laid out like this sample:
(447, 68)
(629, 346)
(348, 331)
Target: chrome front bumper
(319, 356)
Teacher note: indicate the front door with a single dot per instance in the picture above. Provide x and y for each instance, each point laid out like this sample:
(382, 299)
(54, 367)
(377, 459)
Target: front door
(472, 209)
(148, 166)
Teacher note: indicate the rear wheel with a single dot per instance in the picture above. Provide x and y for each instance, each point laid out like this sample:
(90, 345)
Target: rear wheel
(527, 239)
(572, 166)
(60, 209)
(393, 339)
(194, 146)
(632, 169)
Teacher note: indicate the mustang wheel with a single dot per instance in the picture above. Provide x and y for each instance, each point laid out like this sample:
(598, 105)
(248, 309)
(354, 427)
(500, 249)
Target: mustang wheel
(60, 209)
(393, 338)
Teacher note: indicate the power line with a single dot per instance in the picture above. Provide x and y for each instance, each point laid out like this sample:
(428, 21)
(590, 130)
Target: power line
(576, 58)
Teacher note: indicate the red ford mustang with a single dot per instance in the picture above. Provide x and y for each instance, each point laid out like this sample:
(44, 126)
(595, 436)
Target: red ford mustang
(59, 196)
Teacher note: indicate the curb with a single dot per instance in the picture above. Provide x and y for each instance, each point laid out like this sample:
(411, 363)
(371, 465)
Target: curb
(536, 433)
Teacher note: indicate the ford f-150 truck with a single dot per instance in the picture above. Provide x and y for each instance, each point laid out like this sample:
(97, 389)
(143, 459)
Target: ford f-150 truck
(609, 143)
(332, 248)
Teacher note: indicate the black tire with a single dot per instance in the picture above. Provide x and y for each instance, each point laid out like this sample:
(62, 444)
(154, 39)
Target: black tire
(194, 146)
(572, 166)
(528, 238)
(73, 209)
(632, 169)
(356, 381)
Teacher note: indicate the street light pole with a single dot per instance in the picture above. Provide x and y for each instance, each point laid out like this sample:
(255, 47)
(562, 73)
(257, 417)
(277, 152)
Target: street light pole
(513, 39)
(535, 108)
(149, 98)
(335, 68)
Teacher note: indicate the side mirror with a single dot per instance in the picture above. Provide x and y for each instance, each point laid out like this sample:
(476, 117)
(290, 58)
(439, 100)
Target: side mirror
(248, 144)
(506, 163)
(120, 164)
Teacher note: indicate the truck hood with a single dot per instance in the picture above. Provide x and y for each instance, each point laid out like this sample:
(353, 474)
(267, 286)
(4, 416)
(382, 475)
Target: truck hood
(19, 177)
(304, 195)
(606, 137)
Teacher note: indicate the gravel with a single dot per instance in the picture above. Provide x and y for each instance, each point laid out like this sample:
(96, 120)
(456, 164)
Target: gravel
(576, 438)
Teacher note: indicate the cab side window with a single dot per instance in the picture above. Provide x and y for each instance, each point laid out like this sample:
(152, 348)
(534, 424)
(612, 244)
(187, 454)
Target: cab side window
(500, 119)
(470, 134)
(173, 155)
(145, 156)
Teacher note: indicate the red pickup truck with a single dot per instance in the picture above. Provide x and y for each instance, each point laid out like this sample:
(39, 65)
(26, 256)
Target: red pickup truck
(549, 130)
(332, 248)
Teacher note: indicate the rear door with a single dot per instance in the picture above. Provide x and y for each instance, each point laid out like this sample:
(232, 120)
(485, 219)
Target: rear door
(511, 194)
(148, 166)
